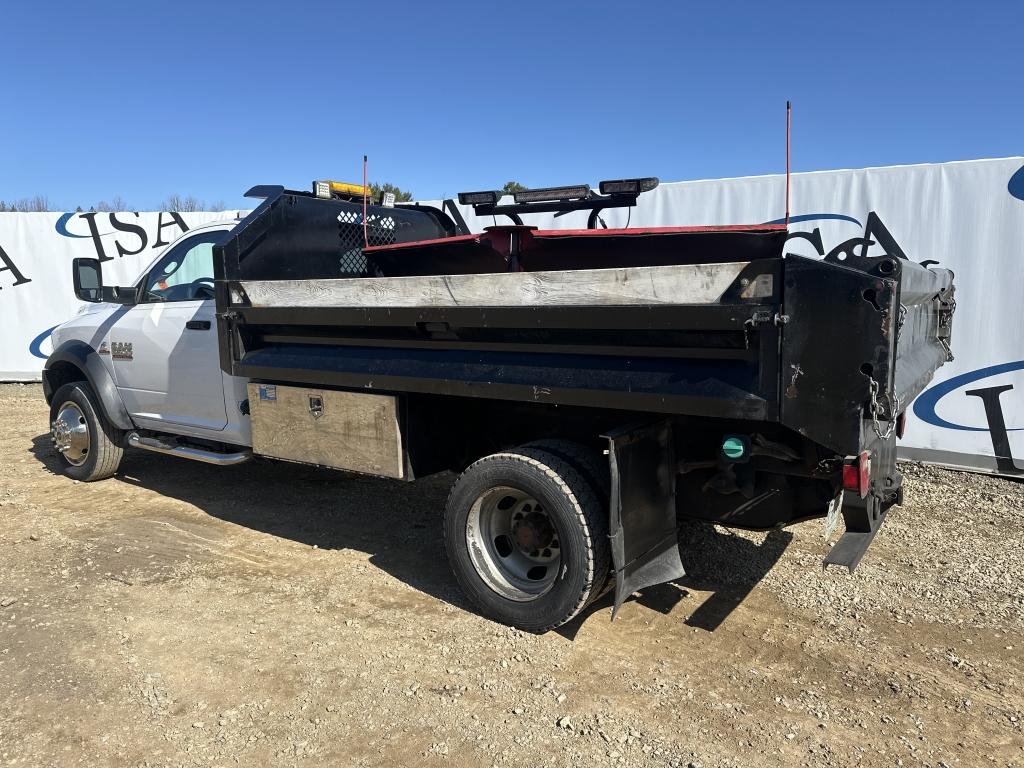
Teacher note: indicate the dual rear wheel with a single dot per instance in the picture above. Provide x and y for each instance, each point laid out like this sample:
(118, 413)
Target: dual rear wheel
(527, 533)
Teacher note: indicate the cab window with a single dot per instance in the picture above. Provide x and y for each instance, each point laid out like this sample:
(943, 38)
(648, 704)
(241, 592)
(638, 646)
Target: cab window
(185, 273)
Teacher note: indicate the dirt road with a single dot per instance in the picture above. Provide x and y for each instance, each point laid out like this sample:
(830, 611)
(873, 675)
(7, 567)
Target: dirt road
(273, 614)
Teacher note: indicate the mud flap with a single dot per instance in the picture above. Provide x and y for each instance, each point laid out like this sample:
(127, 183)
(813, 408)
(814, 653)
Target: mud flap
(645, 549)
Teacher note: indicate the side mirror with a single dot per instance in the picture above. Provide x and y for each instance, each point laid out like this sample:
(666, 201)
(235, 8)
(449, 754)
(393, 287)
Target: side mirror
(87, 275)
(88, 279)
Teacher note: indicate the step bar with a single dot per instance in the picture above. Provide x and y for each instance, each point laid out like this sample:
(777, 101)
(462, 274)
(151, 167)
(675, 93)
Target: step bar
(187, 451)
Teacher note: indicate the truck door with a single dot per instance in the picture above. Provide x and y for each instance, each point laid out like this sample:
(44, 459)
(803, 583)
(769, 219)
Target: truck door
(164, 349)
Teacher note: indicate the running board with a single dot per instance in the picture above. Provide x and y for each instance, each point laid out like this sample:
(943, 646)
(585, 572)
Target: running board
(851, 547)
(188, 452)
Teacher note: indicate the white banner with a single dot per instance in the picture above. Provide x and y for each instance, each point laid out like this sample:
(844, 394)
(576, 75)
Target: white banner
(969, 216)
(36, 250)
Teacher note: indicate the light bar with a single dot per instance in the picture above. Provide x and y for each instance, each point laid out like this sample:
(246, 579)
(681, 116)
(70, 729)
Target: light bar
(479, 198)
(552, 193)
(628, 186)
(327, 189)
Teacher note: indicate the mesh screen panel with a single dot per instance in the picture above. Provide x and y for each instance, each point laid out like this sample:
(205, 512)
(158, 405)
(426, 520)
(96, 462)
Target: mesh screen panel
(380, 230)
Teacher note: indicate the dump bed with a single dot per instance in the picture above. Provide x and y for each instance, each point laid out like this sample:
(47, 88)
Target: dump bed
(704, 321)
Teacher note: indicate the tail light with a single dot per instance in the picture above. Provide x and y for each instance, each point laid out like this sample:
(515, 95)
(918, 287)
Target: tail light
(857, 474)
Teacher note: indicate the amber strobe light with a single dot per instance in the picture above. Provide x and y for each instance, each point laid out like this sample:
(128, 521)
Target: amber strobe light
(328, 189)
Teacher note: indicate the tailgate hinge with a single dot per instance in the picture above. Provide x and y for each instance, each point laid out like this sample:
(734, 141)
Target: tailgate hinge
(766, 317)
(760, 318)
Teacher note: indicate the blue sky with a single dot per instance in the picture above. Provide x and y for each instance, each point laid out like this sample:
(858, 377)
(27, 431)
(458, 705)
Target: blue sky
(208, 98)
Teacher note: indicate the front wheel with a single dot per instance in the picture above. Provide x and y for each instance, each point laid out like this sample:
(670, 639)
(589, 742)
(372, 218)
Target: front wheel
(527, 538)
(89, 445)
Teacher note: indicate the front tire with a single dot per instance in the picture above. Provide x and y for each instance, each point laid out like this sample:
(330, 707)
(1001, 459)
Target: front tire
(88, 444)
(527, 538)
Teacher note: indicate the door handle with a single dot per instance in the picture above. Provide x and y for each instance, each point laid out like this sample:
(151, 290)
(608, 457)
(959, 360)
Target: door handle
(198, 325)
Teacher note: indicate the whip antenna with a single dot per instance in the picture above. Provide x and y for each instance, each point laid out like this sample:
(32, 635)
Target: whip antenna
(789, 113)
(366, 236)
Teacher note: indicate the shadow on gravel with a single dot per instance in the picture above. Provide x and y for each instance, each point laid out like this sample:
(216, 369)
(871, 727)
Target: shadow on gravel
(727, 565)
(716, 561)
(399, 525)
(42, 449)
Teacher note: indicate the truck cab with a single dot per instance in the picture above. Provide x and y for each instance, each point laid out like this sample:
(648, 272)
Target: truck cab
(150, 350)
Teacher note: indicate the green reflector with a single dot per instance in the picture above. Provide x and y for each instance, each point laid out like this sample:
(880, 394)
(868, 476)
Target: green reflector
(733, 448)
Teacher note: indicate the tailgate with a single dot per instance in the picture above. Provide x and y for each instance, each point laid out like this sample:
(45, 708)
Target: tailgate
(864, 337)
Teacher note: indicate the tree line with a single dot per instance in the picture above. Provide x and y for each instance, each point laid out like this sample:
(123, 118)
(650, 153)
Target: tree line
(176, 203)
(41, 203)
(190, 203)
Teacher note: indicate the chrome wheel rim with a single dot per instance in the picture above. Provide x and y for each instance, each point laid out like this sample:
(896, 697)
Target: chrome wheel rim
(69, 433)
(513, 543)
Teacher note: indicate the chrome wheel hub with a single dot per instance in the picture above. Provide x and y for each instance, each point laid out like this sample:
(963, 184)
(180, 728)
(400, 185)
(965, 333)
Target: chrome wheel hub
(69, 433)
(513, 543)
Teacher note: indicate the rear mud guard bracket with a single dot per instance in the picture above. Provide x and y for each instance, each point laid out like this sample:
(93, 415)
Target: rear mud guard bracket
(642, 525)
(863, 518)
(849, 549)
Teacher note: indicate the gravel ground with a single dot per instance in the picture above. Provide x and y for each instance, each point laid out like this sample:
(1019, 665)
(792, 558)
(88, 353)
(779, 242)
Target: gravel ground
(272, 614)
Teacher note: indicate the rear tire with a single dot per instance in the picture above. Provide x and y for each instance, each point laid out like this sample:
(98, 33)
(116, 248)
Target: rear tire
(88, 444)
(590, 463)
(527, 538)
(587, 461)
